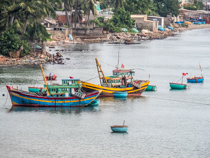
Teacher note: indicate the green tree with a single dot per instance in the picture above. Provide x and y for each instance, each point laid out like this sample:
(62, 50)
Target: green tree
(11, 42)
(32, 10)
(122, 18)
(199, 5)
(140, 7)
(166, 7)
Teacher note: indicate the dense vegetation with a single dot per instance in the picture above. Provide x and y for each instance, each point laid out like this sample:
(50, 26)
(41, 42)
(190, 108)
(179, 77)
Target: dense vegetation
(22, 19)
(20, 22)
(196, 6)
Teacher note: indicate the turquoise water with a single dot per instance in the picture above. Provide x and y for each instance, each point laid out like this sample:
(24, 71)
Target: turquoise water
(164, 123)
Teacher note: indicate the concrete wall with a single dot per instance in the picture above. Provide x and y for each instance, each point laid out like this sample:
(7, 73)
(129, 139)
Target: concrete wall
(57, 34)
(84, 31)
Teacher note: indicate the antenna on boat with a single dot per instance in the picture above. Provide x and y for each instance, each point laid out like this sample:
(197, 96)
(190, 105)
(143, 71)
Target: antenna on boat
(45, 81)
(118, 60)
(201, 69)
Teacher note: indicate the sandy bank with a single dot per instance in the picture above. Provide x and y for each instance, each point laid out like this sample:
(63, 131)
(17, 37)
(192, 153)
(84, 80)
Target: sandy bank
(193, 26)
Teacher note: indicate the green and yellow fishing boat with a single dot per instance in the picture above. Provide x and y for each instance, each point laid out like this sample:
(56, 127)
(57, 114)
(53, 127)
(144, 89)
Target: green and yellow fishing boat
(121, 81)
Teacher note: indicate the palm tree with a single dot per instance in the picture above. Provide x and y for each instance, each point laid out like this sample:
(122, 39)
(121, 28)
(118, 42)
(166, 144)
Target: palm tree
(33, 10)
(68, 5)
(118, 3)
(89, 5)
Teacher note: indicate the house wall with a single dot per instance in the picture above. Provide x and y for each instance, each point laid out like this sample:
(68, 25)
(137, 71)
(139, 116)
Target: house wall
(150, 25)
(159, 19)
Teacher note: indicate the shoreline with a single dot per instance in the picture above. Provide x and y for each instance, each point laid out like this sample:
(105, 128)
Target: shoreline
(25, 61)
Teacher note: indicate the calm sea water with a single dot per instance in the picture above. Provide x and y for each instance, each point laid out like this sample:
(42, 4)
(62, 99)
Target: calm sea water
(161, 124)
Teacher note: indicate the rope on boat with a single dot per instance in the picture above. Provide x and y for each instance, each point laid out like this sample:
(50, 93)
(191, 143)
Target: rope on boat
(179, 100)
(91, 78)
(107, 64)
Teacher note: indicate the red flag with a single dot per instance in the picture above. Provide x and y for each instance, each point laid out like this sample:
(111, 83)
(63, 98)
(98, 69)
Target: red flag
(71, 77)
(184, 74)
(122, 66)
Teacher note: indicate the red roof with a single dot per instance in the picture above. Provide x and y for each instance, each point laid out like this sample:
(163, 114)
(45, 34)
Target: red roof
(122, 70)
(62, 19)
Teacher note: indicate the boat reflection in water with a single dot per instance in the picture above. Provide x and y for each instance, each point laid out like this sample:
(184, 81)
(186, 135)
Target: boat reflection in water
(90, 108)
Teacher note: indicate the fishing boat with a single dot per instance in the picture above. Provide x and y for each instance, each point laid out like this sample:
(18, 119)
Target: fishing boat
(68, 94)
(195, 79)
(51, 77)
(177, 85)
(119, 128)
(120, 94)
(151, 88)
(121, 81)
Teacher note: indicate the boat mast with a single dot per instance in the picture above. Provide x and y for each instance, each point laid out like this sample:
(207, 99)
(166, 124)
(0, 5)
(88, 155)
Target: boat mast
(101, 73)
(45, 81)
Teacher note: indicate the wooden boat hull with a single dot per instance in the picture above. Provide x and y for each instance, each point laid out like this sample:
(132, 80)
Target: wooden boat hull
(150, 88)
(36, 89)
(119, 129)
(24, 98)
(177, 86)
(108, 91)
(195, 80)
(120, 94)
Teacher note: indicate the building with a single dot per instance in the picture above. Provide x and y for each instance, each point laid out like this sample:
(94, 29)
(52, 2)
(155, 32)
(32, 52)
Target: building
(142, 22)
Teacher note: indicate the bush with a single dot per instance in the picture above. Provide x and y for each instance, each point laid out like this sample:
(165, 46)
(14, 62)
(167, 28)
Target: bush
(11, 42)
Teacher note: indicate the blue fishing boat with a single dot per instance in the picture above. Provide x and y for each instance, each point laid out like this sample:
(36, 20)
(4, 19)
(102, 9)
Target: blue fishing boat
(195, 79)
(59, 96)
(119, 128)
(120, 94)
(67, 94)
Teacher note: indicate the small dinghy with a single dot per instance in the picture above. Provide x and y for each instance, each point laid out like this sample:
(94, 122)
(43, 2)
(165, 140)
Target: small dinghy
(120, 94)
(151, 88)
(177, 85)
(119, 128)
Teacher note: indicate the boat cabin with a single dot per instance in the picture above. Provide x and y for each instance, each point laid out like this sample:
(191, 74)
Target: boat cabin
(118, 81)
(69, 87)
(123, 72)
(121, 78)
